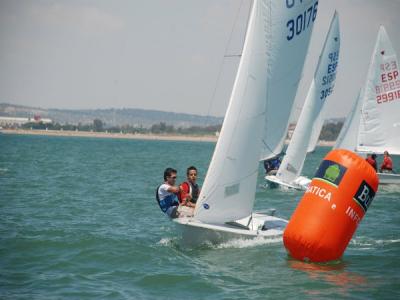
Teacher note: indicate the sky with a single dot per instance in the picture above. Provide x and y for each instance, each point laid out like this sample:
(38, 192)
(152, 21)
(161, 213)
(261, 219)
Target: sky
(163, 55)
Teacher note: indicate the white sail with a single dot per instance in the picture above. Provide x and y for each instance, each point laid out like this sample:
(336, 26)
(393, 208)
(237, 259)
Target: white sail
(316, 131)
(285, 66)
(321, 87)
(229, 188)
(380, 116)
(347, 138)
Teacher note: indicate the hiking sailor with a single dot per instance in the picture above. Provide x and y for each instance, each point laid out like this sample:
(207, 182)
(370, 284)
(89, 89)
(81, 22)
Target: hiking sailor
(166, 194)
(189, 189)
(271, 165)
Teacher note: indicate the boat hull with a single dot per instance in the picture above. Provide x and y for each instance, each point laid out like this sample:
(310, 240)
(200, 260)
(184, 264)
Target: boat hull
(195, 233)
(389, 178)
(300, 183)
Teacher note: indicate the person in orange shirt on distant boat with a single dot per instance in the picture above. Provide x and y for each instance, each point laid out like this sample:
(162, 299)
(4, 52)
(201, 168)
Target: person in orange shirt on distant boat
(387, 164)
(371, 159)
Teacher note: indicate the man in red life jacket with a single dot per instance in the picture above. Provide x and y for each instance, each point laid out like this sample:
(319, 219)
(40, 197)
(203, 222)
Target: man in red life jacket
(387, 164)
(189, 189)
(371, 159)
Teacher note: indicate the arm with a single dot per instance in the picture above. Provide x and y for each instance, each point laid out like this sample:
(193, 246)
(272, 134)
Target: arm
(173, 189)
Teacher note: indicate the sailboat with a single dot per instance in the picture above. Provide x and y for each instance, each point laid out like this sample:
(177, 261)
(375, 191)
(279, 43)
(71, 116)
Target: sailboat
(274, 50)
(373, 124)
(288, 174)
(316, 131)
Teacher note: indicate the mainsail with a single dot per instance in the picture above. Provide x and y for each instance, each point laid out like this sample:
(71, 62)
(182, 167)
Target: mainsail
(316, 131)
(276, 41)
(285, 65)
(380, 116)
(321, 87)
(347, 138)
(373, 123)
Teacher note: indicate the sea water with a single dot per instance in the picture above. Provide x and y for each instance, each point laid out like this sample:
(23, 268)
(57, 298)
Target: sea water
(79, 220)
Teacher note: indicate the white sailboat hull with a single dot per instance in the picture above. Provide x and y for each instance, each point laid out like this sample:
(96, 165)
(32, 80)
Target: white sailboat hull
(195, 232)
(300, 183)
(389, 178)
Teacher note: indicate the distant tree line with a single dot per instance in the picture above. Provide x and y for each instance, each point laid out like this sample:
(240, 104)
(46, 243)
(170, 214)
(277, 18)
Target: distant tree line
(330, 131)
(99, 126)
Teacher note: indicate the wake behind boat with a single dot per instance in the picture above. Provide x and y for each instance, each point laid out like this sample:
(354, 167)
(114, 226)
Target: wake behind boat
(273, 57)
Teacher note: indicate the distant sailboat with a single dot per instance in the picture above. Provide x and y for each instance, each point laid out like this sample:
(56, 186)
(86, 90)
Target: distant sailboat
(288, 174)
(373, 124)
(276, 42)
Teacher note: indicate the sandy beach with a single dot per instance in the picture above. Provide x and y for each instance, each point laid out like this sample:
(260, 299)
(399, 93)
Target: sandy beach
(169, 137)
(159, 137)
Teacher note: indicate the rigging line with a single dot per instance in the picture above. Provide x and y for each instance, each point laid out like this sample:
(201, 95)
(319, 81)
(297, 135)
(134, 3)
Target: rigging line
(222, 63)
(270, 150)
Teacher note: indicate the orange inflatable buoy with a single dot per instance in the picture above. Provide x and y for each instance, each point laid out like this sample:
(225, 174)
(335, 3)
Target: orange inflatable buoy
(332, 207)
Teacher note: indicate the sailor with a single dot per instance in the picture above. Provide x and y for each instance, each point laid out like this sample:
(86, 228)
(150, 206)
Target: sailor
(166, 194)
(371, 159)
(387, 164)
(189, 189)
(272, 165)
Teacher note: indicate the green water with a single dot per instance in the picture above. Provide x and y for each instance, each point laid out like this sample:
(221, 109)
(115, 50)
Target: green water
(78, 220)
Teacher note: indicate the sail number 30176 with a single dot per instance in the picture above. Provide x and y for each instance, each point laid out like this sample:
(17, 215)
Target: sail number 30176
(300, 23)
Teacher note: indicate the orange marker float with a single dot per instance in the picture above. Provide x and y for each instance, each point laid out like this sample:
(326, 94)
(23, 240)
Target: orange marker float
(332, 207)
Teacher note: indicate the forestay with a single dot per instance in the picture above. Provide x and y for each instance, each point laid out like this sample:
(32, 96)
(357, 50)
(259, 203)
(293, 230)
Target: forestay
(379, 128)
(276, 41)
(321, 87)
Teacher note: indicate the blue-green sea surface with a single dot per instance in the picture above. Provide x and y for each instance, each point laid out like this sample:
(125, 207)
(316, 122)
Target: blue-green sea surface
(79, 220)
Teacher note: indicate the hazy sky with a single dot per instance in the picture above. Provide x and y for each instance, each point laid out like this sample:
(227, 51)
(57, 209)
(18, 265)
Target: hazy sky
(159, 54)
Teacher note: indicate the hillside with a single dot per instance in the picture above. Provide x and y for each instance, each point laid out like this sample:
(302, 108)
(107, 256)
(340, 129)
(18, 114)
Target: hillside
(149, 120)
(111, 117)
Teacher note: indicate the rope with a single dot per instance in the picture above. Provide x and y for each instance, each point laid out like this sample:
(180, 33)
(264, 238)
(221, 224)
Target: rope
(222, 64)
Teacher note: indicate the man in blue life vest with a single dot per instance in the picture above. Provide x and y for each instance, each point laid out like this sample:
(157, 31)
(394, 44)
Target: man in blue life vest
(272, 165)
(167, 194)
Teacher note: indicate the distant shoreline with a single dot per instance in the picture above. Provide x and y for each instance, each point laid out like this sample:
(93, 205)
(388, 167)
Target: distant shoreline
(137, 136)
